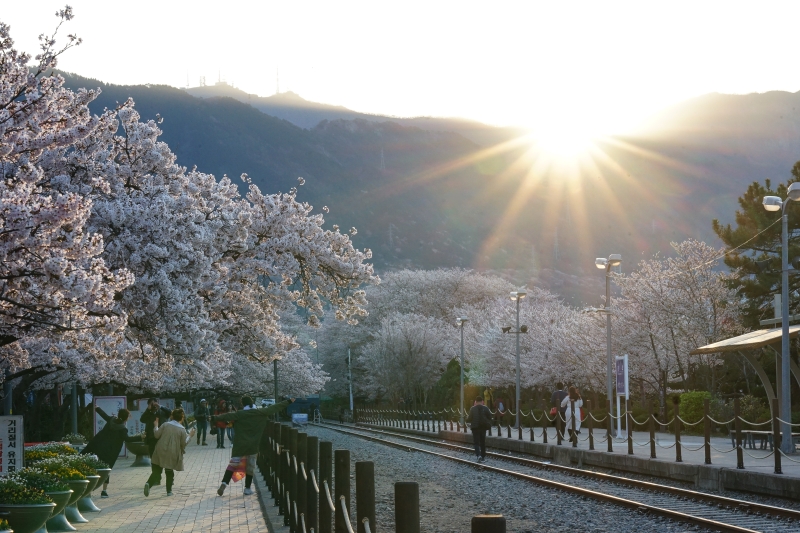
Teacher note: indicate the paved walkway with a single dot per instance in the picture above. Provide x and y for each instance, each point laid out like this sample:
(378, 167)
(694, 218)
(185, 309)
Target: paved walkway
(194, 507)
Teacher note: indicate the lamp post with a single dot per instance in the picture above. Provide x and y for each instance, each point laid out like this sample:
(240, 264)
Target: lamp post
(774, 203)
(606, 263)
(461, 320)
(516, 296)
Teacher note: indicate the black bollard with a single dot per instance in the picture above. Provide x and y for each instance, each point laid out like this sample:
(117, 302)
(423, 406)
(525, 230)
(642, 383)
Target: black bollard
(559, 426)
(325, 476)
(406, 507)
(653, 434)
(291, 478)
(609, 428)
(302, 475)
(545, 422)
(678, 456)
(737, 422)
(312, 465)
(488, 523)
(707, 432)
(508, 431)
(776, 436)
(629, 425)
(341, 461)
(365, 495)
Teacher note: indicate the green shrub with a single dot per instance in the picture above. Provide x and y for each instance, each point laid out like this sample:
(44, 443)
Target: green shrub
(691, 404)
(4, 525)
(41, 479)
(14, 492)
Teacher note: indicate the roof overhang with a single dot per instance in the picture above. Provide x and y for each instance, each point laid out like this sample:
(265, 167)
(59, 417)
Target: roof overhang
(748, 341)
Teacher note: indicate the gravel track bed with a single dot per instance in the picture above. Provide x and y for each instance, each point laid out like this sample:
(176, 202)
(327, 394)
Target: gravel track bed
(451, 494)
(757, 498)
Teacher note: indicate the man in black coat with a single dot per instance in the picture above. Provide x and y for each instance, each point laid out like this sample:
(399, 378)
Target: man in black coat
(480, 419)
(107, 444)
(153, 413)
(201, 414)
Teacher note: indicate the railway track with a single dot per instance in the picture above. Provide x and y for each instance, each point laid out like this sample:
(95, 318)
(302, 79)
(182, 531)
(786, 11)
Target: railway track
(697, 508)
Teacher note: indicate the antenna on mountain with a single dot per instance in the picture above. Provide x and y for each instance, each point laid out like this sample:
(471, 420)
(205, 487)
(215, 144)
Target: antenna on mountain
(383, 162)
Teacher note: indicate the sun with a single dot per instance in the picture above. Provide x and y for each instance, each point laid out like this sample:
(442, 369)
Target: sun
(564, 143)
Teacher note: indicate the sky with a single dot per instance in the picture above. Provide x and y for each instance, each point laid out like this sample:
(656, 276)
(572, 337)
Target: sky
(568, 68)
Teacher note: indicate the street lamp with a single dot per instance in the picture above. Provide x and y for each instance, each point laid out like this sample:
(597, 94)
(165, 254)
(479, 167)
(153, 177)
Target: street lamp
(516, 296)
(774, 203)
(461, 320)
(606, 263)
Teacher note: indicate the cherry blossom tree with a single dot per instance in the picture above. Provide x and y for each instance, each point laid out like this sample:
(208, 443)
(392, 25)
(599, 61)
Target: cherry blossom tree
(52, 275)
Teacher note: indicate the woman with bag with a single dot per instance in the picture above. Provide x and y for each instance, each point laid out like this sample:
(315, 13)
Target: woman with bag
(573, 403)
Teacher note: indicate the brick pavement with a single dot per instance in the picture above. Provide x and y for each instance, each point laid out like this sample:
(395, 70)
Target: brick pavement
(194, 506)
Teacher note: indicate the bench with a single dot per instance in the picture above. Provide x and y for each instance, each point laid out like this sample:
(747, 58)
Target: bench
(749, 437)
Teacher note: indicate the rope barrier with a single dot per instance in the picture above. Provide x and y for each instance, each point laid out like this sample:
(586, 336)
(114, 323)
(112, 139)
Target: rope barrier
(755, 457)
(666, 447)
(365, 523)
(720, 451)
(642, 445)
(314, 481)
(685, 447)
(328, 495)
(785, 422)
(689, 423)
(787, 457)
(343, 503)
(303, 471)
(755, 423)
(723, 423)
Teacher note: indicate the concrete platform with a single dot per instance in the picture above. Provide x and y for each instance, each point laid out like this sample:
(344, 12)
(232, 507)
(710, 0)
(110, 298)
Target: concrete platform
(722, 475)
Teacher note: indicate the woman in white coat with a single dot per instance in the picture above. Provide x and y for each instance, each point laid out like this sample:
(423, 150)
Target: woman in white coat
(168, 455)
(575, 399)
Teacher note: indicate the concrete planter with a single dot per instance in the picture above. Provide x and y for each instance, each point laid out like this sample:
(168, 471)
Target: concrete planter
(85, 503)
(26, 518)
(59, 521)
(142, 453)
(71, 511)
(60, 499)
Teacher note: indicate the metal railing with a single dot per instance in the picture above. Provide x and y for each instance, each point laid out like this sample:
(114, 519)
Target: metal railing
(436, 421)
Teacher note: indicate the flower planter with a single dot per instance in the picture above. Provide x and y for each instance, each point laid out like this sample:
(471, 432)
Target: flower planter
(85, 503)
(26, 518)
(59, 521)
(61, 499)
(142, 453)
(71, 511)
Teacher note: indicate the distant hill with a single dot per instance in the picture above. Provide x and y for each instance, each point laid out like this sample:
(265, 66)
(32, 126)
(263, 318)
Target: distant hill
(421, 196)
(300, 112)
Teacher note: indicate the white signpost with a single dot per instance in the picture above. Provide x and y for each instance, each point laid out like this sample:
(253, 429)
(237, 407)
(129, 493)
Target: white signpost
(111, 406)
(622, 387)
(12, 444)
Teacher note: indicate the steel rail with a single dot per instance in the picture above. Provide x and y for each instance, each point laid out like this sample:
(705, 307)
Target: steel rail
(623, 502)
(646, 485)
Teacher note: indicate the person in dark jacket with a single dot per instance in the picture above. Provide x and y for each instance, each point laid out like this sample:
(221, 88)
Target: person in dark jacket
(555, 401)
(250, 424)
(107, 444)
(154, 416)
(480, 419)
(201, 415)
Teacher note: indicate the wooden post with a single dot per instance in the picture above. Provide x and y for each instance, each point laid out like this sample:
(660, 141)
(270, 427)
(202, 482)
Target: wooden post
(629, 424)
(589, 423)
(653, 433)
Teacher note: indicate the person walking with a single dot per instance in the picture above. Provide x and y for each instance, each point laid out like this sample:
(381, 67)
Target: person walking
(555, 402)
(108, 442)
(229, 426)
(153, 416)
(250, 424)
(168, 455)
(201, 415)
(222, 408)
(480, 419)
(572, 404)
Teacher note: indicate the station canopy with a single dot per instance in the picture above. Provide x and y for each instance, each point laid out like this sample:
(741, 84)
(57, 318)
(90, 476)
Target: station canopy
(748, 341)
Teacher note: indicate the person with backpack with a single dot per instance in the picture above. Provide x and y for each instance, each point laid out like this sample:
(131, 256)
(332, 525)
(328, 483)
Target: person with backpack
(250, 423)
(201, 415)
(480, 419)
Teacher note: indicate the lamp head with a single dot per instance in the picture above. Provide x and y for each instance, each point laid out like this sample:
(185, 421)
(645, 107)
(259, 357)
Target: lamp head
(523, 329)
(601, 262)
(772, 203)
(506, 329)
(614, 260)
(460, 320)
(793, 192)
